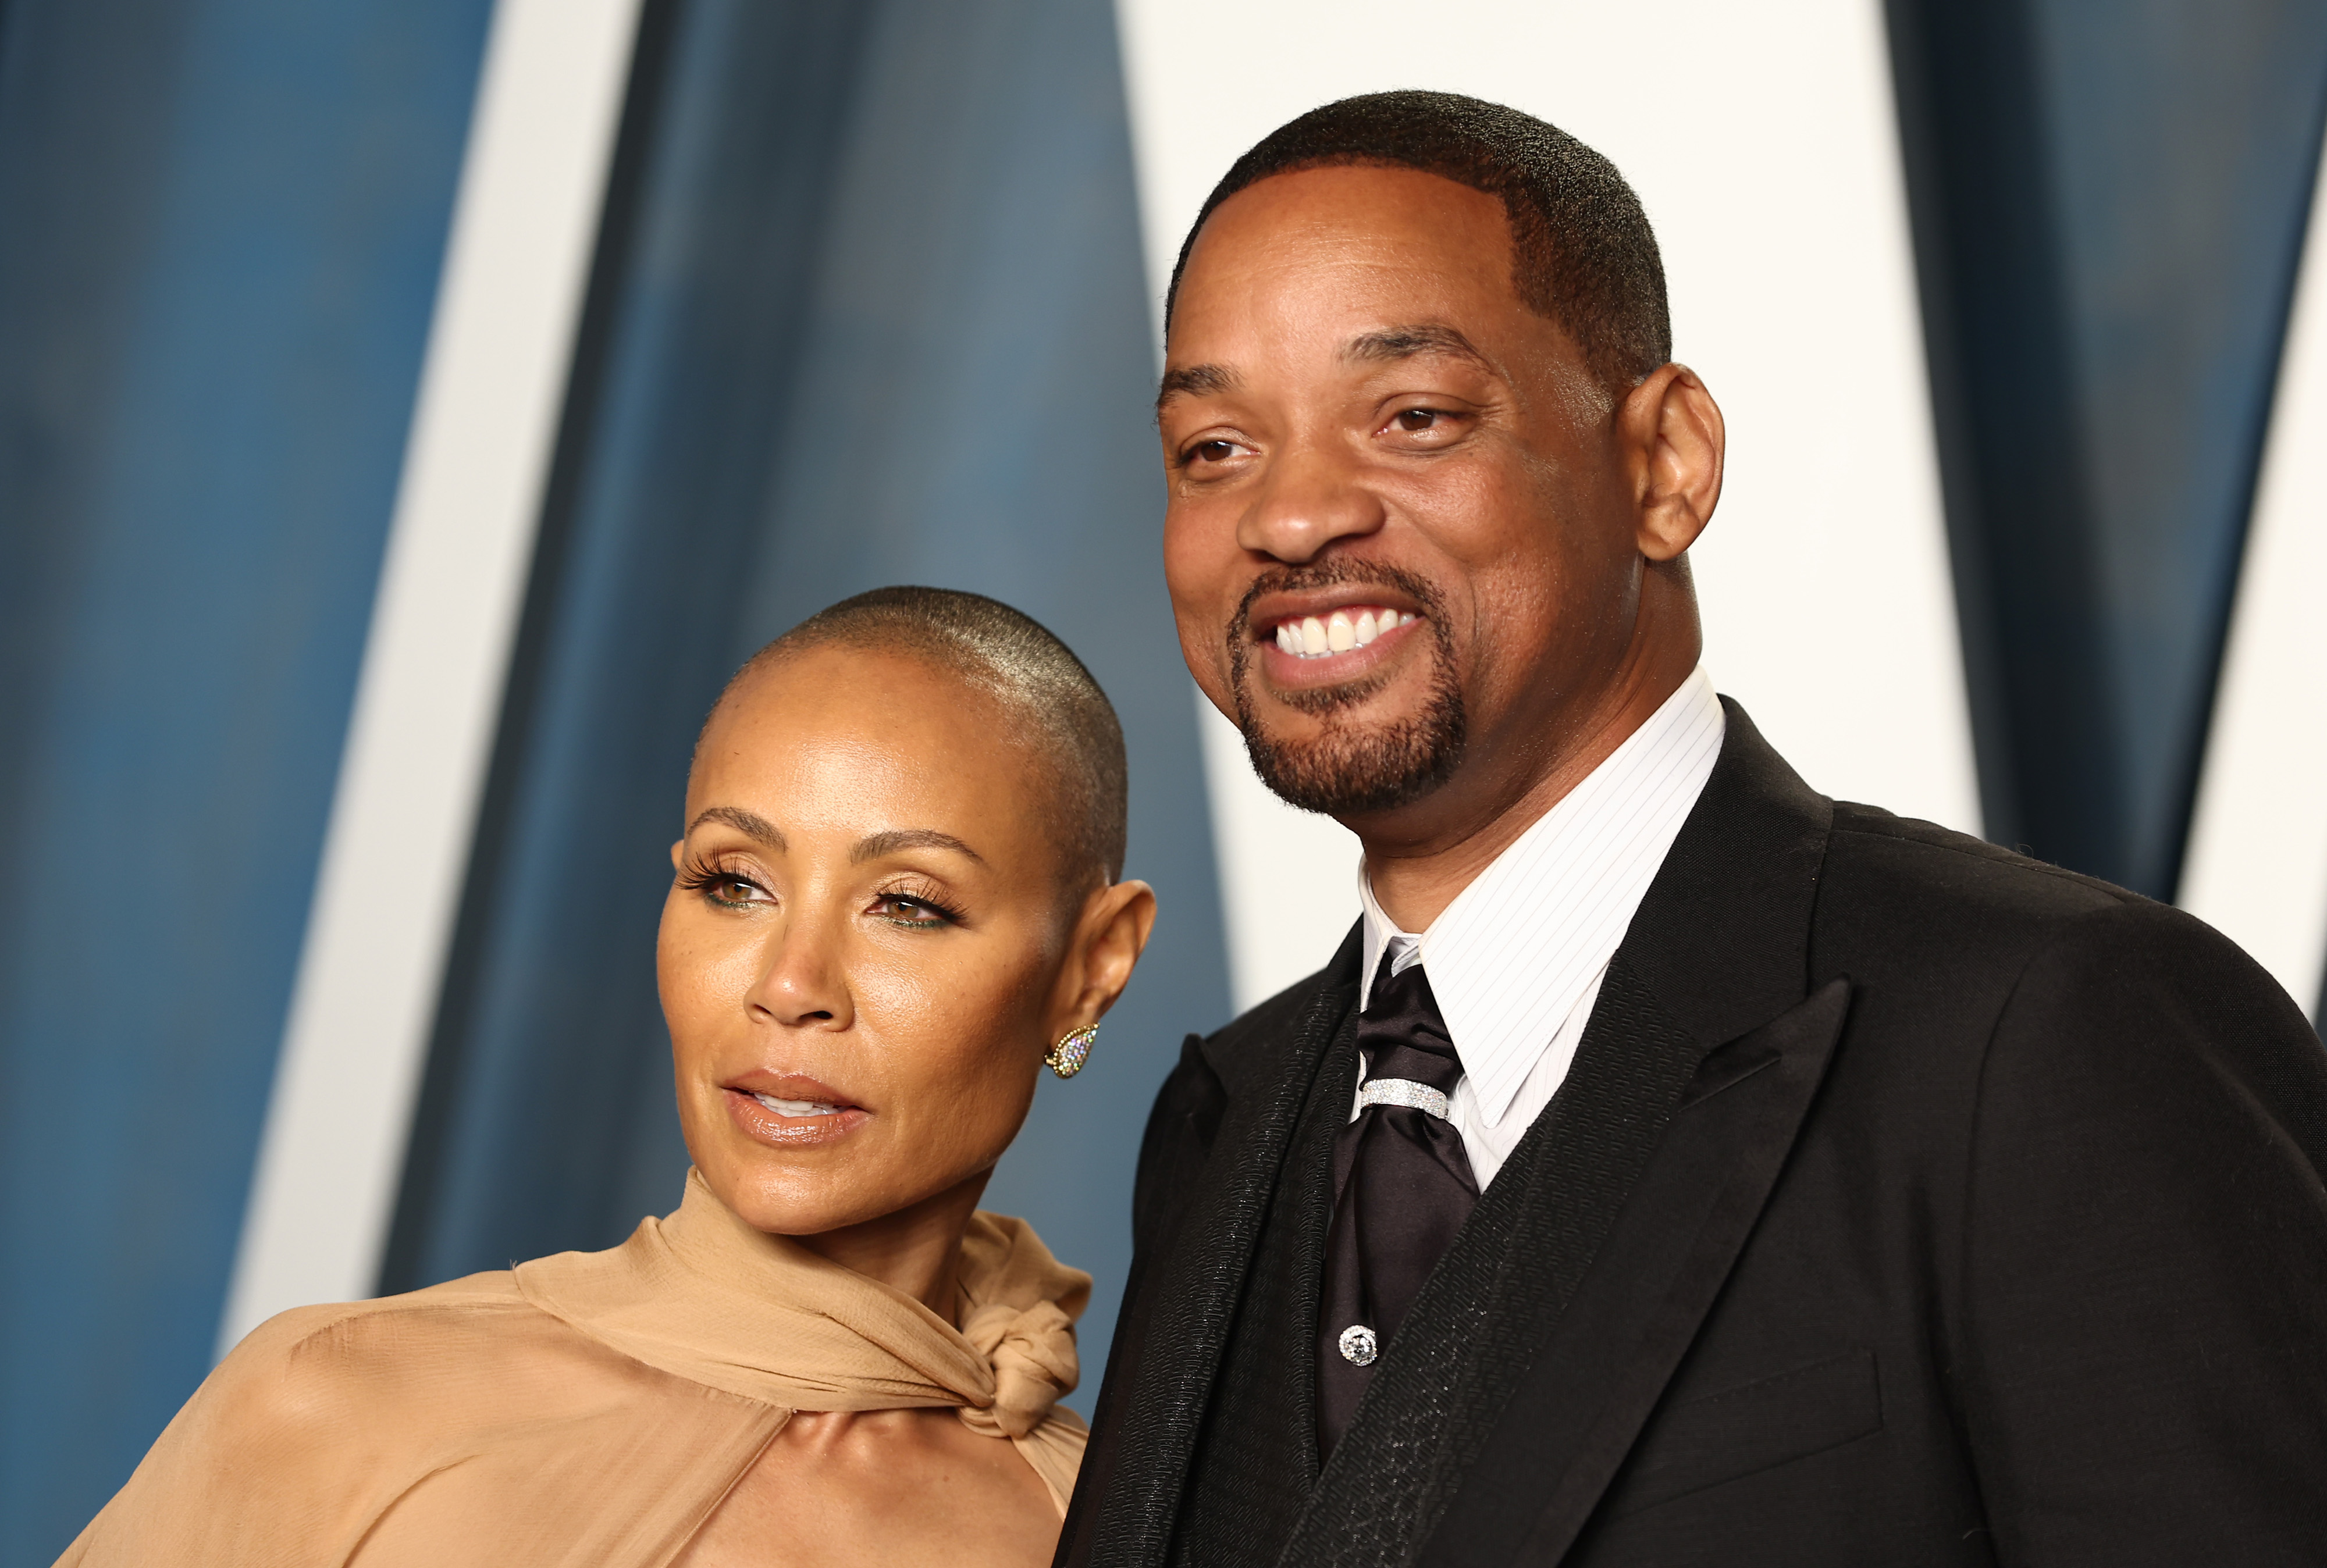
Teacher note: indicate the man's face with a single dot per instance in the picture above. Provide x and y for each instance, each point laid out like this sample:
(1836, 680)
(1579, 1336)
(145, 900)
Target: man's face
(1400, 527)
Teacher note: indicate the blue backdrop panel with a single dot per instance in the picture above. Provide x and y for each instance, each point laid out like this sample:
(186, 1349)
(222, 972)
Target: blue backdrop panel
(546, 1120)
(221, 224)
(869, 309)
(2108, 204)
(974, 411)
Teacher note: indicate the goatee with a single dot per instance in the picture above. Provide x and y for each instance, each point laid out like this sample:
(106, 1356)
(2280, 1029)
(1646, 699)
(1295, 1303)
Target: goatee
(1352, 768)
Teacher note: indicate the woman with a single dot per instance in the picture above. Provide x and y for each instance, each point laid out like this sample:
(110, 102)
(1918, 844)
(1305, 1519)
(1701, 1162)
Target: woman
(894, 901)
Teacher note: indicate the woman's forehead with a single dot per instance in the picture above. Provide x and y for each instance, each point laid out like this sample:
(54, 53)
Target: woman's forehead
(837, 724)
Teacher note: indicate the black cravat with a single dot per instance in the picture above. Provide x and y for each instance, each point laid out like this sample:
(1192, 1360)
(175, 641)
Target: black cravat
(1402, 1187)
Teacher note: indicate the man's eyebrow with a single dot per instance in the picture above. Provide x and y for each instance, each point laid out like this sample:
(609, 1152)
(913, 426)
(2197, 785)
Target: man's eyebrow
(1195, 380)
(1392, 343)
(750, 824)
(873, 846)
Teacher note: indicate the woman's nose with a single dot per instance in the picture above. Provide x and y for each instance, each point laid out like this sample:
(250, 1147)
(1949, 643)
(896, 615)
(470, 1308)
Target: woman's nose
(1311, 497)
(801, 984)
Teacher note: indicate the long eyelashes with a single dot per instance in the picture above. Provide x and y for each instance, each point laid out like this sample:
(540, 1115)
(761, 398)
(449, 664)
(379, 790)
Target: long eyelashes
(717, 884)
(925, 899)
(914, 907)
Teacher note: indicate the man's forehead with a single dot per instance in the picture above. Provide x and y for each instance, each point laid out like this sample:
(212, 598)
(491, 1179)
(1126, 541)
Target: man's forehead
(1374, 346)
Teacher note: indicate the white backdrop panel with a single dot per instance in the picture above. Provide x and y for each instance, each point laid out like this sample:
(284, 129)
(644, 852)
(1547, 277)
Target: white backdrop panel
(1763, 141)
(549, 102)
(2257, 869)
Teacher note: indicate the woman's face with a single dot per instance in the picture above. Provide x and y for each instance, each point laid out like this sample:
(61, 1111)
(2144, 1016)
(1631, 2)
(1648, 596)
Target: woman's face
(864, 954)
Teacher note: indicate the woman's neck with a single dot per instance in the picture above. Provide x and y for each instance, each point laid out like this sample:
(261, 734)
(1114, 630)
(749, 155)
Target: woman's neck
(913, 1250)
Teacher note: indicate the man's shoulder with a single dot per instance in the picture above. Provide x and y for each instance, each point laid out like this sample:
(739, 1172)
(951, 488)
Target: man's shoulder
(1263, 1030)
(1259, 1035)
(1890, 879)
(1973, 933)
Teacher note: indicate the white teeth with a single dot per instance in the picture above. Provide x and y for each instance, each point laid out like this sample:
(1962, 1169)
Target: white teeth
(796, 1107)
(1314, 639)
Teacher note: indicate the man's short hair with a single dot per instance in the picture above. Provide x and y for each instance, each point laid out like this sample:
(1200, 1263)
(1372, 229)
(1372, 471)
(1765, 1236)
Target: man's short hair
(1016, 661)
(1586, 255)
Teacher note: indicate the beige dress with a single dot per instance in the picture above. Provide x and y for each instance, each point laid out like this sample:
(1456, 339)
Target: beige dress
(590, 1408)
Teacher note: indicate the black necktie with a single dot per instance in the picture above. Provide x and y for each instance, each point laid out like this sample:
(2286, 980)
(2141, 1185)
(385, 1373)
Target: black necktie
(1402, 1187)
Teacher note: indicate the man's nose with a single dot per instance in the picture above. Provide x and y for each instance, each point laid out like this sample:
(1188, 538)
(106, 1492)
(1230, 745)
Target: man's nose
(1311, 497)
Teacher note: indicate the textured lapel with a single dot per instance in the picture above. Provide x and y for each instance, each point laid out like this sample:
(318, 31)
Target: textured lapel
(1715, 970)
(1501, 1288)
(1201, 1279)
(1718, 948)
(1579, 1407)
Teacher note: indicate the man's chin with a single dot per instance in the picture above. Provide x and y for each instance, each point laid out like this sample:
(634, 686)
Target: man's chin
(1350, 767)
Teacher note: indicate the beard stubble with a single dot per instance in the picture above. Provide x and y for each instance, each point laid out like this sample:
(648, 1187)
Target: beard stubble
(1351, 768)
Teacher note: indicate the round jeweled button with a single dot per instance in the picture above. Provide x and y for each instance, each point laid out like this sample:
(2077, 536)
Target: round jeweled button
(1358, 1346)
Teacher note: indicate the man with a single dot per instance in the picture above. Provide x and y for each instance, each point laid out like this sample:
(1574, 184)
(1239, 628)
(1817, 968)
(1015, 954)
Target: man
(1675, 1165)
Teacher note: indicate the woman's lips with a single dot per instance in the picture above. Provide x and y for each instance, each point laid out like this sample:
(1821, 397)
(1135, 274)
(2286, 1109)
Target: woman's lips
(793, 1113)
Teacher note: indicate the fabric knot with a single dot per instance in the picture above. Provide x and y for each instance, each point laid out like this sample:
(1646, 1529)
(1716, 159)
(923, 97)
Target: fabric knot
(1033, 1354)
(1403, 1035)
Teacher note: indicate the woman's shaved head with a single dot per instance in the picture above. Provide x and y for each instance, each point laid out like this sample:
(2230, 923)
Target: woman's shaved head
(1060, 711)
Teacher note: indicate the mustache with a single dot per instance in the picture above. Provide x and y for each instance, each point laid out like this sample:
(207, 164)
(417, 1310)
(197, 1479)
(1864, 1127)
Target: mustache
(1331, 573)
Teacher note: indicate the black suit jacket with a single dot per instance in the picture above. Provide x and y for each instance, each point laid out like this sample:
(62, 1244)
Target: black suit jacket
(1909, 1202)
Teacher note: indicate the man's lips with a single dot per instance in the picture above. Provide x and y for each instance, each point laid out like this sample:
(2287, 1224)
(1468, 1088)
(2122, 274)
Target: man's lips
(1311, 642)
(1322, 633)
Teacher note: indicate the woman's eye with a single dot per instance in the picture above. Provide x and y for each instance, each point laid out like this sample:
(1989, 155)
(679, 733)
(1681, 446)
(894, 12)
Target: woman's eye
(900, 910)
(730, 892)
(1212, 452)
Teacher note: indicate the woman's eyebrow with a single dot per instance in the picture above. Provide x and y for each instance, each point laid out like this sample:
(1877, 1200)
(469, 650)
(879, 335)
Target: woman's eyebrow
(748, 823)
(876, 845)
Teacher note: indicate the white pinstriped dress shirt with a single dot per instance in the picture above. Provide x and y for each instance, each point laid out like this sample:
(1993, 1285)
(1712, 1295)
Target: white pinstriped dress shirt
(1517, 959)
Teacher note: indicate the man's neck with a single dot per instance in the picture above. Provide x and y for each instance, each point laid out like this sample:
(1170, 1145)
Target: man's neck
(1419, 859)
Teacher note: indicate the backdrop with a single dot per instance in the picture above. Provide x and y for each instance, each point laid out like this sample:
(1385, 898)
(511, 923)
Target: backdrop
(410, 413)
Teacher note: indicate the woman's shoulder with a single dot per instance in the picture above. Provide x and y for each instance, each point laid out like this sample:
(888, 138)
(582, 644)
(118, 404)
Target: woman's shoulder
(460, 1346)
(296, 1440)
(309, 1361)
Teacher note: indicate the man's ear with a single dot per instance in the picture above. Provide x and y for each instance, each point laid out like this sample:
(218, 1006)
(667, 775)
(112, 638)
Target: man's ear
(1673, 434)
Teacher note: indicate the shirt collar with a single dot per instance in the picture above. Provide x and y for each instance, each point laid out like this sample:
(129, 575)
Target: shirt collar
(1519, 948)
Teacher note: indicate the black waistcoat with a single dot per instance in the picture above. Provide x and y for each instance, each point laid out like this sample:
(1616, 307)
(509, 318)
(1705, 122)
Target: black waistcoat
(1254, 1494)
(1255, 1460)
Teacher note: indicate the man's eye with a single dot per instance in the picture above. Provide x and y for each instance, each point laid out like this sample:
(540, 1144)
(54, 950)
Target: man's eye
(1414, 420)
(1212, 452)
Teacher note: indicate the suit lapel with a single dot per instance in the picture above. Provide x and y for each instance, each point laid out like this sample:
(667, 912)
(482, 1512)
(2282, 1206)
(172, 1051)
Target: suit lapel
(1503, 1283)
(1578, 1408)
(1714, 974)
(1201, 1278)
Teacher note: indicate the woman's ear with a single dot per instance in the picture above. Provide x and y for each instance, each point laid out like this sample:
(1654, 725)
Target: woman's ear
(1107, 941)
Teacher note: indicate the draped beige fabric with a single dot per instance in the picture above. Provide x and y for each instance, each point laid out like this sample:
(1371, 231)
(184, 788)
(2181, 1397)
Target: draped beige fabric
(587, 1409)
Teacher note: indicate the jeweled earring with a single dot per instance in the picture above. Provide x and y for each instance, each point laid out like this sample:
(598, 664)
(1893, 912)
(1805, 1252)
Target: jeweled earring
(1067, 1057)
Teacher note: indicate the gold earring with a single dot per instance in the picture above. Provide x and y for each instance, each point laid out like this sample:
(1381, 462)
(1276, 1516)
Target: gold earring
(1067, 1057)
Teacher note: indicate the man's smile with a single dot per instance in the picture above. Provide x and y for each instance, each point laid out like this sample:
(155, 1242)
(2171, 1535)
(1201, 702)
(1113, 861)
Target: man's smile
(1340, 631)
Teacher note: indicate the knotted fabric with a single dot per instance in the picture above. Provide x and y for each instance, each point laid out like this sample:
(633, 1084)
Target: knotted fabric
(1402, 1187)
(589, 1410)
(705, 1295)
